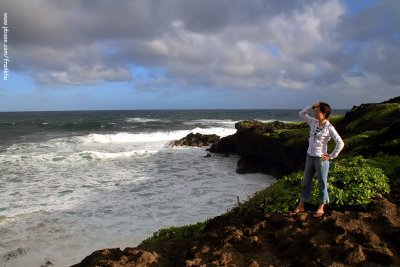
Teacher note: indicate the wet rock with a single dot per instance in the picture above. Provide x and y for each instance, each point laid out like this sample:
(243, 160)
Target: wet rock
(16, 253)
(196, 140)
(47, 264)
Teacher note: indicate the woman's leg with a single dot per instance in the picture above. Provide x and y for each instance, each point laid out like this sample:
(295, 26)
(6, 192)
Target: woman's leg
(322, 168)
(309, 172)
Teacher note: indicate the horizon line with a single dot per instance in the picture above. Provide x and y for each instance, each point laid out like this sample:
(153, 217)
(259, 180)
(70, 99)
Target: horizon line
(154, 109)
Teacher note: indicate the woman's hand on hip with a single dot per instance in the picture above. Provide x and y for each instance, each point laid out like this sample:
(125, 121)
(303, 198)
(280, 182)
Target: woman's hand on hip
(325, 157)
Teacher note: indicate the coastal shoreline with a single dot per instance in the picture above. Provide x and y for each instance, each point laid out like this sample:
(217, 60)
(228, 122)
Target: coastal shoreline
(246, 237)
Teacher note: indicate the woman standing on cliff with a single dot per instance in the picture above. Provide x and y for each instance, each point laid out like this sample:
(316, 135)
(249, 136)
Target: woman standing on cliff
(317, 161)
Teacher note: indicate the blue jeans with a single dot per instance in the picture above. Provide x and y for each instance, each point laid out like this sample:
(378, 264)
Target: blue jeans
(321, 168)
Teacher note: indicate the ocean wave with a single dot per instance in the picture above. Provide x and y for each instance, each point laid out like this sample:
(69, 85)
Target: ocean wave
(211, 122)
(131, 137)
(268, 121)
(145, 120)
(115, 155)
(220, 131)
(123, 137)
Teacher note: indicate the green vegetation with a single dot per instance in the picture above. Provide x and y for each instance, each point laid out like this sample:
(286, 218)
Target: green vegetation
(295, 136)
(336, 119)
(376, 115)
(249, 124)
(390, 164)
(186, 231)
(363, 137)
(353, 181)
(279, 197)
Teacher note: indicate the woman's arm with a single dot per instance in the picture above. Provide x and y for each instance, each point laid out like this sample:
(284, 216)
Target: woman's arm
(338, 141)
(305, 117)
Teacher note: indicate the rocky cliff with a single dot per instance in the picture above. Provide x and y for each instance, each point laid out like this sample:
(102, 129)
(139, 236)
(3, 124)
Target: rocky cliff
(275, 148)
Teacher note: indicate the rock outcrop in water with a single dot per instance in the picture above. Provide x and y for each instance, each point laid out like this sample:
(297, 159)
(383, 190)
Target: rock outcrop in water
(196, 139)
(275, 148)
(251, 237)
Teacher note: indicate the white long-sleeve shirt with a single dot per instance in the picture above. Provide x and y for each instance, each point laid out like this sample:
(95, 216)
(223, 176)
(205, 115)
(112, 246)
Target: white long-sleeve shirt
(318, 142)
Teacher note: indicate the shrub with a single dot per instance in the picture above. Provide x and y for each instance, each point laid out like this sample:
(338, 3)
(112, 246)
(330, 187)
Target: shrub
(336, 119)
(390, 164)
(353, 181)
(284, 194)
(279, 197)
(186, 231)
(374, 116)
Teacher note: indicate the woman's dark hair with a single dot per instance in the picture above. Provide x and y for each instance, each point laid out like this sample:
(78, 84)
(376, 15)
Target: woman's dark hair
(325, 109)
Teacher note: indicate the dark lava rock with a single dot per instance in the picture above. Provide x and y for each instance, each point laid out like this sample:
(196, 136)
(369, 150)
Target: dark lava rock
(197, 139)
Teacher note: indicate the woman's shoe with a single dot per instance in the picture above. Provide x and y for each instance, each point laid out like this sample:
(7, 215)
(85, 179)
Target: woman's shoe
(296, 211)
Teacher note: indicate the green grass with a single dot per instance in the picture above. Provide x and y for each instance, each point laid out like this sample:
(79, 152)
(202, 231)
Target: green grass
(181, 232)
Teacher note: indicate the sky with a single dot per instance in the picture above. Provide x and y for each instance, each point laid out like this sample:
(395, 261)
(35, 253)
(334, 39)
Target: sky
(190, 54)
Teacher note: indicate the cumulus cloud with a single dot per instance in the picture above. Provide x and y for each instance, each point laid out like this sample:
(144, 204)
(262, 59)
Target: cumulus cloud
(238, 45)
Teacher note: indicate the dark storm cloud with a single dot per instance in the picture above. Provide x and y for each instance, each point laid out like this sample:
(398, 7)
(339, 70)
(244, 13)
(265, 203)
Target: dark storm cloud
(236, 44)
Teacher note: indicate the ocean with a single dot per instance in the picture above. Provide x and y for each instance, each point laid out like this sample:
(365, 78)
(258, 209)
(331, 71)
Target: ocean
(75, 182)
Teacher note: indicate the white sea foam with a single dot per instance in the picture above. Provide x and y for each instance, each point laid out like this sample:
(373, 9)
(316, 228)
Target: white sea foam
(145, 120)
(268, 121)
(133, 137)
(153, 136)
(220, 131)
(110, 155)
(211, 122)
